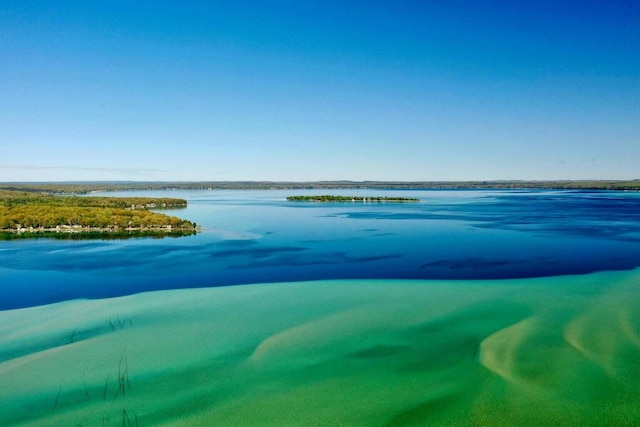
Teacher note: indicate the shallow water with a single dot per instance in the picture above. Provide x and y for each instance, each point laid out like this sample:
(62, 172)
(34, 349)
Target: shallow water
(546, 351)
(259, 237)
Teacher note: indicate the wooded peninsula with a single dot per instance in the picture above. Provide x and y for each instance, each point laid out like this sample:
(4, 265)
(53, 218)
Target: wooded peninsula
(40, 214)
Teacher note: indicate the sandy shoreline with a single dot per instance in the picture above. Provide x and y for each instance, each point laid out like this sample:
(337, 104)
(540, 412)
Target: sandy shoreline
(560, 350)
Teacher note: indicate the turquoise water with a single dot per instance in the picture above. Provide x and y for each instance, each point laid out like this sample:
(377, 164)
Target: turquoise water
(516, 352)
(259, 237)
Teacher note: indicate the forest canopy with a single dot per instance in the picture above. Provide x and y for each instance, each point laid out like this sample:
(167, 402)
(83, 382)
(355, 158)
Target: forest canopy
(87, 187)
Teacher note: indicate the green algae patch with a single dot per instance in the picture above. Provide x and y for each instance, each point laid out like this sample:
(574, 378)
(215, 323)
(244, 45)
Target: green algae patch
(549, 351)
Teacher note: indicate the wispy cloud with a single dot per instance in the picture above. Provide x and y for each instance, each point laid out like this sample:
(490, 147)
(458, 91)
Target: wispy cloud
(137, 171)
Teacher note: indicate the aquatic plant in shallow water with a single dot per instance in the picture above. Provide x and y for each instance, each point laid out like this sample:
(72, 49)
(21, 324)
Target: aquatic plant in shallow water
(552, 351)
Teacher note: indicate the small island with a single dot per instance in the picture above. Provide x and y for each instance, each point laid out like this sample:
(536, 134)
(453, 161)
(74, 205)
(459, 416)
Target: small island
(25, 214)
(343, 199)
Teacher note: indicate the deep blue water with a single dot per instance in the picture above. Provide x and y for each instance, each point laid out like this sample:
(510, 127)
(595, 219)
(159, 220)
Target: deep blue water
(259, 237)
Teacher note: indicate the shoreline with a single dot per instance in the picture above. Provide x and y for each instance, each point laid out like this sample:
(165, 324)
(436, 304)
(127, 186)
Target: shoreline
(96, 233)
(81, 229)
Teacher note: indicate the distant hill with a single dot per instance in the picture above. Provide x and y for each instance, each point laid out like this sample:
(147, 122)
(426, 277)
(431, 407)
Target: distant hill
(87, 187)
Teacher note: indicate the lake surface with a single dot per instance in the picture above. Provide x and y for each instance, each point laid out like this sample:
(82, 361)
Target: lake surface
(467, 308)
(259, 237)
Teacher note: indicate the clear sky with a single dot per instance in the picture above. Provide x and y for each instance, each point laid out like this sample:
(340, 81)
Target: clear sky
(319, 90)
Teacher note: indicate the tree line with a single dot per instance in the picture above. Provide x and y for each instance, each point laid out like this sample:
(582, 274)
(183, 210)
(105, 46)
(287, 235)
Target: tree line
(21, 198)
(43, 216)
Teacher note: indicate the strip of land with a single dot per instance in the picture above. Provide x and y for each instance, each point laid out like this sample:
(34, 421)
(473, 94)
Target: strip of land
(87, 187)
(329, 198)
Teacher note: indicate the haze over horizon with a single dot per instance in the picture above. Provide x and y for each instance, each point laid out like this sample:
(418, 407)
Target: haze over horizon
(306, 91)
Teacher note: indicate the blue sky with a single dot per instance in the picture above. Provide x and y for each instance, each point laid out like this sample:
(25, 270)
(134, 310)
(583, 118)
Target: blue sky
(319, 90)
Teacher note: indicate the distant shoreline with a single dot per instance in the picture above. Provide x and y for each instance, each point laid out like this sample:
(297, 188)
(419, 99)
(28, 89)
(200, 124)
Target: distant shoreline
(98, 186)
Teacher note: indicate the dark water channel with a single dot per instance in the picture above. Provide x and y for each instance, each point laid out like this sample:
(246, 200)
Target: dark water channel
(259, 237)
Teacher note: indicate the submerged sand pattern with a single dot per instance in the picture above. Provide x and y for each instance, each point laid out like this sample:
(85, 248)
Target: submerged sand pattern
(550, 351)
